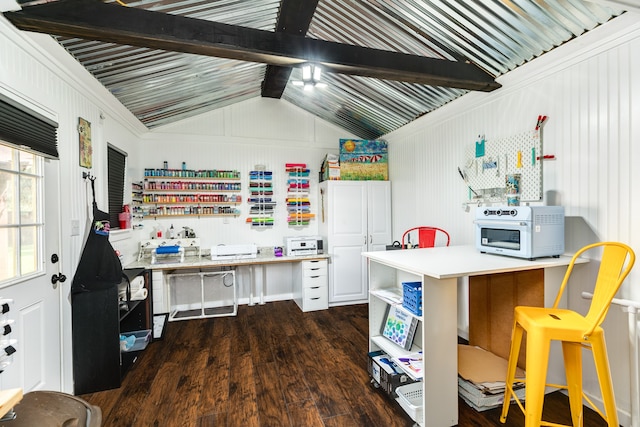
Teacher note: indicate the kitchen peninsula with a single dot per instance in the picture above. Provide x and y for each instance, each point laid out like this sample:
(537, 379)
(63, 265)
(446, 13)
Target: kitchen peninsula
(438, 269)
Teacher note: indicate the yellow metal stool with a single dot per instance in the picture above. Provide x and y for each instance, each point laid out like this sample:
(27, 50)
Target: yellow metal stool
(576, 332)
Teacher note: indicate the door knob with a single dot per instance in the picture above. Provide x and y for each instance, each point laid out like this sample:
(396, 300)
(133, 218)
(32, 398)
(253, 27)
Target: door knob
(58, 278)
(54, 258)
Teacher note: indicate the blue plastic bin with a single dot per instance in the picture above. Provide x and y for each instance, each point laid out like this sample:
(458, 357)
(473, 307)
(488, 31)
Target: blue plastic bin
(412, 297)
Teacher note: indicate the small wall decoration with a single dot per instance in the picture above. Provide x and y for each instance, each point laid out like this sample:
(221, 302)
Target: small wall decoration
(84, 132)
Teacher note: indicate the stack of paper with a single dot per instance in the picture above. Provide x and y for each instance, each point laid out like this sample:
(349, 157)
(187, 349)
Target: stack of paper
(412, 364)
(481, 378)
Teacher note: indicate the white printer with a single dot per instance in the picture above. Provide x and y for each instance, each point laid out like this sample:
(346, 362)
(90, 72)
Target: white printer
(303, 245)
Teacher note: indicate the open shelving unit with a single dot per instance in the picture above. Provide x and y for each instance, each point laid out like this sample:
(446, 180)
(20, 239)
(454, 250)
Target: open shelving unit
(437, 405)
(180, 193)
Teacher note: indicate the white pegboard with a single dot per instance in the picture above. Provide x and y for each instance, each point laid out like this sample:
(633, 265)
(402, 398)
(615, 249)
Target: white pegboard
(487, 165)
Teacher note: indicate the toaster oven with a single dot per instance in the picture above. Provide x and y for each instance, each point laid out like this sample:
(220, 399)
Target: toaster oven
(520, 231)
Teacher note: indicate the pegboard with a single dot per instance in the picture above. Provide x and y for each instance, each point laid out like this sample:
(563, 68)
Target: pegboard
(487, 163)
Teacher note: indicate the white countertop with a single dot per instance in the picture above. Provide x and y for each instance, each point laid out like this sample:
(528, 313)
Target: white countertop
(458, 261)
(191, 262)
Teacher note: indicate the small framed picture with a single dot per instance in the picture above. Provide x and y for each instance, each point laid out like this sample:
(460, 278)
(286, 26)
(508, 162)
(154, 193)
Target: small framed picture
(84, 132)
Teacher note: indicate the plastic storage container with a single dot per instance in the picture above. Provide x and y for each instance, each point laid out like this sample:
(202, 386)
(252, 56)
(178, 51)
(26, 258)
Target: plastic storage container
(412, 297)
(142, 339)
(410, 398)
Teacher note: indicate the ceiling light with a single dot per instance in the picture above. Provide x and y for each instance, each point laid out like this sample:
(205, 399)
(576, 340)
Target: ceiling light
(311, 75)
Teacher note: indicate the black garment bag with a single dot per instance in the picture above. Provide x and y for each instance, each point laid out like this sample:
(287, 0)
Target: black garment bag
(99, 266)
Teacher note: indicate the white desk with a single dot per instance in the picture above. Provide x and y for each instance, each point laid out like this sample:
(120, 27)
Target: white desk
(202, 264)
(438, 269)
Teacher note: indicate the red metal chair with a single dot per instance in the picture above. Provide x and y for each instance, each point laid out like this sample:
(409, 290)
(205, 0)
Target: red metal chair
(426, 236)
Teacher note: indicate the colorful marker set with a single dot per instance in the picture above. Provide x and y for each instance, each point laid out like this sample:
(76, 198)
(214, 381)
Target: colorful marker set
(298, 204)
(261, 204)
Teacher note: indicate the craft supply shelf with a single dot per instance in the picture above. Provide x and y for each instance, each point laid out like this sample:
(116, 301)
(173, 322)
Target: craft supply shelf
(298, 203)
(177, 193)
(261, 200)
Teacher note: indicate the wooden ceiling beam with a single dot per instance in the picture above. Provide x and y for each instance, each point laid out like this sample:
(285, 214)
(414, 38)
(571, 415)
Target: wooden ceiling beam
(294, 18)
(112, 23)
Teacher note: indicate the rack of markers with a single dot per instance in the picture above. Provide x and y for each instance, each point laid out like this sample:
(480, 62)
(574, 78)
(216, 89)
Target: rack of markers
(298, 203)
(261, 201)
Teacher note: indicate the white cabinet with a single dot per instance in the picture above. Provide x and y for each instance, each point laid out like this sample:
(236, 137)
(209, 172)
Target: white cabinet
(310, 285)
(355, 217)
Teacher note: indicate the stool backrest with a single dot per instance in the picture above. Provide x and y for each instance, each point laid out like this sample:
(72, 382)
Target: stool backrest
(617, 261)
(426, 236)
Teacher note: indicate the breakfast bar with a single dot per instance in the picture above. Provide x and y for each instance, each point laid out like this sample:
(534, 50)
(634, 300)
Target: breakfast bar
(438, 269)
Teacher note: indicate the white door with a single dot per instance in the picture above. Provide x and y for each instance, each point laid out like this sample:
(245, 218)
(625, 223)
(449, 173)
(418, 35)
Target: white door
(35, 310)
(347, 239)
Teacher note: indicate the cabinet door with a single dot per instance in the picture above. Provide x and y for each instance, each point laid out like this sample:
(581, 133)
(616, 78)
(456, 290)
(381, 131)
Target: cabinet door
(378, 215)
(347, 238)
(347, 213)
(349, 277)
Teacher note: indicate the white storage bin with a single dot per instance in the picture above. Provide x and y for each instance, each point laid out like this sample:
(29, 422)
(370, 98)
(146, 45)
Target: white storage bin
(410, 398)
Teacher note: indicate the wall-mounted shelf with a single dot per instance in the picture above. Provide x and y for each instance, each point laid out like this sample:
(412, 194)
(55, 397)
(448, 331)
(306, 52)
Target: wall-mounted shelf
(298, 204)
(261, 201)
(174, 192)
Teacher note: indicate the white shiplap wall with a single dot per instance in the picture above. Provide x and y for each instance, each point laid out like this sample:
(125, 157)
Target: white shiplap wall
(37, 72)
(590, 89)
(258, 131)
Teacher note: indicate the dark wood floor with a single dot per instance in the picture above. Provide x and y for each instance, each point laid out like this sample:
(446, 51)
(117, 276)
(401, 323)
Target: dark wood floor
(272, 365)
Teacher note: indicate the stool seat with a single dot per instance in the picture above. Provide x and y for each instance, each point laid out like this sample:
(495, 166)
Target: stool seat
(576, 333)
(54, 409)
(557, 324)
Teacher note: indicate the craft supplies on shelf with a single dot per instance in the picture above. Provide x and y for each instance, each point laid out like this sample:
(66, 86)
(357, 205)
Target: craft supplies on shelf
(177, 192)
(261, 201)
(298, 203)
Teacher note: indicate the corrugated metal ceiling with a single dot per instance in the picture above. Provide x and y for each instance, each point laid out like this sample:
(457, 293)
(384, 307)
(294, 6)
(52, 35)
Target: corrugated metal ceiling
(161, 87)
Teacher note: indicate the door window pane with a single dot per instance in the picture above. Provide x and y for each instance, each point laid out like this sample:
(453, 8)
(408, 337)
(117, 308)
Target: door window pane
(7, 160)
(8, 211)
(28, 199)
(28, 250)
(21, 226)
(9, 258)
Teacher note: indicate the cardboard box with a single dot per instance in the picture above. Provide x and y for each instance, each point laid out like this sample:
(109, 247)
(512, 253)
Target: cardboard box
(385, 374)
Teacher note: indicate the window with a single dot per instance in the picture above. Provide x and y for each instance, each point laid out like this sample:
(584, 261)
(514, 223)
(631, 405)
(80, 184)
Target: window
(21, 213)
(116, 163)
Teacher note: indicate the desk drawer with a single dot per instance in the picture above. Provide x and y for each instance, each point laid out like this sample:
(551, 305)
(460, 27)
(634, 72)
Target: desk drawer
(314, 268)
(315, 299)
(315, 292)
(314, 281)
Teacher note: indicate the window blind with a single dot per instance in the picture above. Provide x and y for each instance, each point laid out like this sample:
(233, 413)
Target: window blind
(28, 132)
(116, 164)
